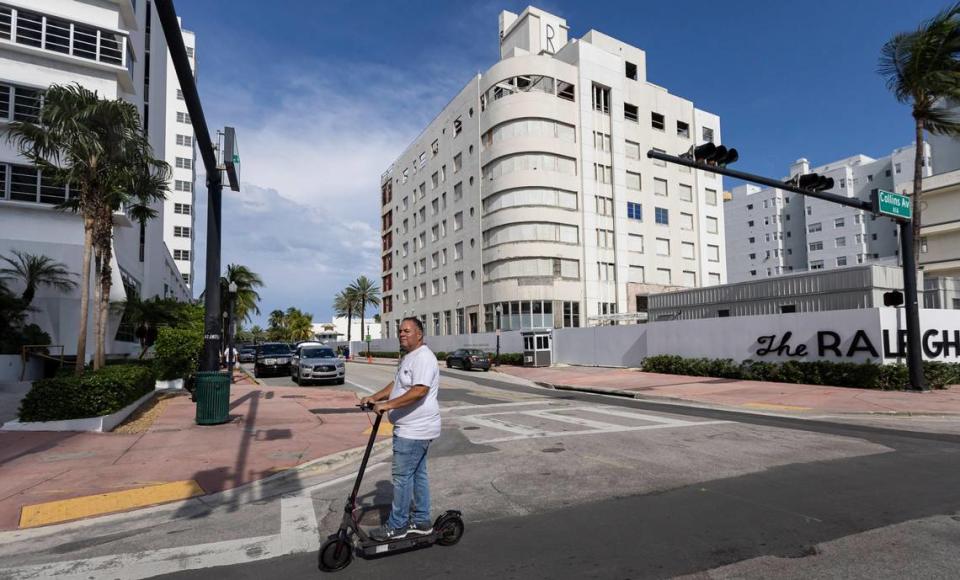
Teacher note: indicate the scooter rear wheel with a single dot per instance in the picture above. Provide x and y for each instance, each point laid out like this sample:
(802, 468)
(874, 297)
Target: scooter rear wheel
(450, 532)
(335, 555)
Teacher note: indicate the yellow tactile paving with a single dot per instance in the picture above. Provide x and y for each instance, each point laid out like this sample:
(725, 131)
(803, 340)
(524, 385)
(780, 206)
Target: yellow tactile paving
(386, 428)
(53, 512)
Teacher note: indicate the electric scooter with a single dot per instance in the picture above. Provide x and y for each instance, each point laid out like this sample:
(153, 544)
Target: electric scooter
(337, 552)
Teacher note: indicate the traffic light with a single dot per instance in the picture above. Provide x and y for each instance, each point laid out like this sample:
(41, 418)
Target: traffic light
(711, 154)
(812, 182)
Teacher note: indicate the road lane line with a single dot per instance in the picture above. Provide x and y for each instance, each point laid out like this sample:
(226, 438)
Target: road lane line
(637, 416)
(361, 387)
(493, 405)
(504, 426)
(594, 432)
(552, 416)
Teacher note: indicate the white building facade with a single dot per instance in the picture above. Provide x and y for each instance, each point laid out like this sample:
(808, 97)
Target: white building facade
(771, 232)
(102, 46)
(529, 200)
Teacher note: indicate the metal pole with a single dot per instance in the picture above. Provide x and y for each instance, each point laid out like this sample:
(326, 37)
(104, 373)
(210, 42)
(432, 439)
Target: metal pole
(232, 333)
(912, 308)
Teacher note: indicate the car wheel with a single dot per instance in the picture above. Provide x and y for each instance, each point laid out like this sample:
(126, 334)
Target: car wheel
(449, 364)
(295, 379)
(341, 381)
(466, 365)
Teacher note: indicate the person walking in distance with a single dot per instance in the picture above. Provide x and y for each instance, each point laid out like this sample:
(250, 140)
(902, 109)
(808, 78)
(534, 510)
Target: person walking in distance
(411, 399)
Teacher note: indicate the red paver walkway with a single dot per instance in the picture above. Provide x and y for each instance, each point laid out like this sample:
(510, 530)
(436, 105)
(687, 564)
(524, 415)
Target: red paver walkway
(755, 395)
(270, 429)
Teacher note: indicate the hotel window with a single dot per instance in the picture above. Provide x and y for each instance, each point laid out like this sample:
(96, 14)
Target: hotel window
(435, 147)
(435, 233)
(713, 225)
(434, 180)
(186, 278)
(816, 265)
(458, 251)
(633, 181)
(714, 278)
(458, 280)
(571, 314)
(708, 134)
(630, 70)
(660, 187)
(185, 140)
(661, 216)
(183, 117)
(181, 232)
(838, 223)
(632, 150)
(184, 163)
(657, 121)
(457, 126)
(566, 91)
(923, 245)
(443, 229)
(840, 242)
(25, 103)
(601, 141)
(180, 185)
(631, 113)
(841, 260)
(601, 99)
(687, 250)
(663, 247)
(663, 276)
(896, 168)
(815, 227)
(181, 255)
(635, 243)
(604, 205)
(686, 221)
(634, 211)
(602, 173)
(686, 192)
(605, 239)
(458, 191)
(434, 287)
(457, 162)
(606, 272)
(816, 246)
(683, 130)
(711, 195)
(181, 208)
(689, 278)
(636, 274)
(179, 94)
(713, 253)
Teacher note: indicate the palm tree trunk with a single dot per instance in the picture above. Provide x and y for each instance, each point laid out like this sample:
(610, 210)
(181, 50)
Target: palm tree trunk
(917, 191)
(97, 289)
(106, 282)
(84, 294)
(363, 336)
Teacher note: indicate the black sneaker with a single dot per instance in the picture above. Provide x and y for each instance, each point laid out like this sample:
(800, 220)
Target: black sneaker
(422, 529)
(385, 534)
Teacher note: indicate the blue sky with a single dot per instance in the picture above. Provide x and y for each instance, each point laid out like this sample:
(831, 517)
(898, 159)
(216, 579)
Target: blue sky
(325, 95)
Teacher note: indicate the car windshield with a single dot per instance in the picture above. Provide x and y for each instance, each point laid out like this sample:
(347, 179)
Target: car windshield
(474, 352)
(317, 353)
(274, 349)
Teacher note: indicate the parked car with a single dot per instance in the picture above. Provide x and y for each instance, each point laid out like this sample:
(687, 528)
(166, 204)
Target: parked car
(316, 362)
(247, 354)
(468, 358)
(272, 358)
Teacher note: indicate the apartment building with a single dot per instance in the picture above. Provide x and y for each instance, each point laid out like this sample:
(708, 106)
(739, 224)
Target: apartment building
(773, 232)
(529, 200)
(102, 46)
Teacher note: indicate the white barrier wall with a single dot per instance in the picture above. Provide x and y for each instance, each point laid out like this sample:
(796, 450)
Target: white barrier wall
(10, 369)
(606, 346)
(861, 335)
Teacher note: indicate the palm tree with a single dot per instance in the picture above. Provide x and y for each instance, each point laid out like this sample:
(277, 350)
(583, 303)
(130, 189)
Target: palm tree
(922, 68)
(98, 149)
(278, 325)
(35, 271)
(345, 304)
(147, 316)
(366, 293)
(247, 281)
(256, 333)
(299, 324)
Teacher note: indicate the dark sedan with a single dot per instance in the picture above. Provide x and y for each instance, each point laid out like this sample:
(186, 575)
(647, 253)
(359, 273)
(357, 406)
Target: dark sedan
(272, 358)
(247, 354)
(468, 358)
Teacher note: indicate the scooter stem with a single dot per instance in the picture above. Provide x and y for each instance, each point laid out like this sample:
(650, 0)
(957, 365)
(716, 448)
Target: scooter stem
(363, 464)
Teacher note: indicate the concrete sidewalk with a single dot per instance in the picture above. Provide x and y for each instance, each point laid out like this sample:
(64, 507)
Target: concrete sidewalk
(271, 429)
(756, 396)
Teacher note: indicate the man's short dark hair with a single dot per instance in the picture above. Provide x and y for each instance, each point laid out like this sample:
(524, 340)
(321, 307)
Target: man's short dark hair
(414, 320)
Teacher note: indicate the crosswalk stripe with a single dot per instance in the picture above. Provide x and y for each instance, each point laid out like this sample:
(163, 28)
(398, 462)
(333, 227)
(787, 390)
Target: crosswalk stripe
(555, 416)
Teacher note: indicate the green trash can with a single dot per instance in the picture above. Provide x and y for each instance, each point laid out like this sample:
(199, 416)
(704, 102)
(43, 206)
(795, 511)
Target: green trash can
(213, 398)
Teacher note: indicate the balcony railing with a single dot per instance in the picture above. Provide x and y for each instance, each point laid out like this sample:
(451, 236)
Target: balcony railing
(62, 36)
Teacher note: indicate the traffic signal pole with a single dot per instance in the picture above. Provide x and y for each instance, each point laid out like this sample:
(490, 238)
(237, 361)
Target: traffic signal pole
(181, 63)
(914, 354)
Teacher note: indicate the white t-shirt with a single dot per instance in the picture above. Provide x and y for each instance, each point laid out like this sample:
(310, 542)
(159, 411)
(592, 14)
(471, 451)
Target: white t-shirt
(421, 420)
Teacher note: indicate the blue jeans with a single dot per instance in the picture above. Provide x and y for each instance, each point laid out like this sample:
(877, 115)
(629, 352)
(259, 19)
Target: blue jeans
(410, 483)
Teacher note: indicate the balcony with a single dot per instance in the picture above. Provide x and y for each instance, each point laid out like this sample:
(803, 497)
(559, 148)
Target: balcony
(67, 40)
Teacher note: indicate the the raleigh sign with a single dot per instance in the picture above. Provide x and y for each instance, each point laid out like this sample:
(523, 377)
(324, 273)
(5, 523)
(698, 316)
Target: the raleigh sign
(936, 343)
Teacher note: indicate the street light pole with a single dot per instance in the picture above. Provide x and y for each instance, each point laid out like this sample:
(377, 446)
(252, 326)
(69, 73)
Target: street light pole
(231, 331)
(498, 310)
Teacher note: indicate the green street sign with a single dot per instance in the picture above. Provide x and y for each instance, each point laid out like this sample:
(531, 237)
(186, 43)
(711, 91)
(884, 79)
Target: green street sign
(368, 338)
(893, 204)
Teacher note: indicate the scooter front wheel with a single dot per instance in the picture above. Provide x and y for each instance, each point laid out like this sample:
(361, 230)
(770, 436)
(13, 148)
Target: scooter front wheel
(335, 555)
(450, 532)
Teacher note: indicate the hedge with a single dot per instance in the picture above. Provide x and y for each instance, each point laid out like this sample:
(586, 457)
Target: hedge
(92, 394)
(177, 352)
(857, 375)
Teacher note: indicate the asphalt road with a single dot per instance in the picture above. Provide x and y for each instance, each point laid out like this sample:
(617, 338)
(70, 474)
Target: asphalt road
(569, 485)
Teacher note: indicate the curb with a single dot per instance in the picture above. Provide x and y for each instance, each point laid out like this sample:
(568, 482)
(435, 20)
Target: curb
(262, 488)
(739, 409)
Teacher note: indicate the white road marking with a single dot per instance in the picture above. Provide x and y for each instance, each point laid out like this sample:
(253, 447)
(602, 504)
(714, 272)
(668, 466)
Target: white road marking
(617, 429)
(299, 532)
(484, 421)
(361, 387)
(637, 416)
(553, 416)
(517, 404)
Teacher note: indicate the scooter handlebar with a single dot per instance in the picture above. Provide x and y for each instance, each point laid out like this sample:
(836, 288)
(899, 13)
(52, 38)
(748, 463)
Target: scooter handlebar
(366, 407)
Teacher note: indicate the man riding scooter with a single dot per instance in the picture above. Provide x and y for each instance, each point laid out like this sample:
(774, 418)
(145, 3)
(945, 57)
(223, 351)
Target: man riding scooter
(411, 399)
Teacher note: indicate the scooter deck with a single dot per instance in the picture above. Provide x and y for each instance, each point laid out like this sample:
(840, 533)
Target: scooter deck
(374, 548)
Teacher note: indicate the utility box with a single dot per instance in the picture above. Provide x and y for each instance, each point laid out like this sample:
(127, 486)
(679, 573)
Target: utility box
(537, 347)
